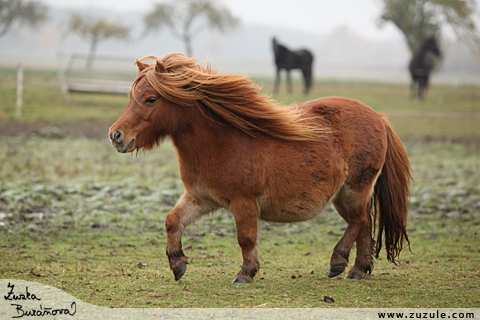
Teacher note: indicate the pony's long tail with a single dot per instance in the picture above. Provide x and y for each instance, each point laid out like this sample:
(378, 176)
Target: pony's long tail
(391, 197)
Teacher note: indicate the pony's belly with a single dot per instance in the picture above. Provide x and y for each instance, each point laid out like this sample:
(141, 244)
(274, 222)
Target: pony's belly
(289, 214)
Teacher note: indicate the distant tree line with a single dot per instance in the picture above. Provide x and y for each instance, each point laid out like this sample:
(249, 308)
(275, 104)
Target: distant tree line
(95, 30)
(416, 19)
(22, 12)
(188, 18)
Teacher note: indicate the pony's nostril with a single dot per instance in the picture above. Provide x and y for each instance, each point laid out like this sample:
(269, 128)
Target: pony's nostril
(118, 136)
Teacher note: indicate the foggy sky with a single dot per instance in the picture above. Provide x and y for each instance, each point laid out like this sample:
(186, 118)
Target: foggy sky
(343, 36)
(314, 16)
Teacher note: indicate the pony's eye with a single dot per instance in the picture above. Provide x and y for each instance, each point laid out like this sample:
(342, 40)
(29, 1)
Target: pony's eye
(150, 100)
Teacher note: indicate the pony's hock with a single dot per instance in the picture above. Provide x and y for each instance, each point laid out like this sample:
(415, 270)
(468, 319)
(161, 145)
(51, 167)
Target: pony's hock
(240, 151)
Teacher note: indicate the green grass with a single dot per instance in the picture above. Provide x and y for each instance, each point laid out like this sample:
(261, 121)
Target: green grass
(92, 224)
(43, 103)
(384, 96)
(77, 215)
(430, 119)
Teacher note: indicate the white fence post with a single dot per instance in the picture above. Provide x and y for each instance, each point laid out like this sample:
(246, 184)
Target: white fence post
(19, 91)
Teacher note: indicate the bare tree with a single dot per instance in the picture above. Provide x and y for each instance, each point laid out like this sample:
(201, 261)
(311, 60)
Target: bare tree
(420, 19)
(187, 18)
(95, 30)
(24, 12)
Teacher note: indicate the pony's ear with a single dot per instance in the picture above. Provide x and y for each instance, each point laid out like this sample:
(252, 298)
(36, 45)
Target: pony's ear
(159, 66)
(141, 66)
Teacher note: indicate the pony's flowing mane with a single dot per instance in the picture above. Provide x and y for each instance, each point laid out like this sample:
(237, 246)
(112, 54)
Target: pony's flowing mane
(234, 98)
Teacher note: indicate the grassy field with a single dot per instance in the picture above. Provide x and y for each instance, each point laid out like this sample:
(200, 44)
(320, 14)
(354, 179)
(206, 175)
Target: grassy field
(77, 215)
(449, 112)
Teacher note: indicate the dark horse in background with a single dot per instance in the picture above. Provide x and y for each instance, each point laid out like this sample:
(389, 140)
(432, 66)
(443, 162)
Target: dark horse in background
(421, 65)
(285, 59)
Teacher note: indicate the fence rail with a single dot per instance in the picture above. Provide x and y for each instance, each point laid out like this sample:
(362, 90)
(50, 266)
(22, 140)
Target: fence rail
(107, 75)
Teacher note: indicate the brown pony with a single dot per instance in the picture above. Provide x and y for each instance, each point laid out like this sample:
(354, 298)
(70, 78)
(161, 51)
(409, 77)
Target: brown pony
(240, 151)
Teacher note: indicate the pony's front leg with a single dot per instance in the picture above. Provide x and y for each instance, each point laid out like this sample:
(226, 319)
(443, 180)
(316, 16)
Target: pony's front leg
(188, 209)
(246, 218)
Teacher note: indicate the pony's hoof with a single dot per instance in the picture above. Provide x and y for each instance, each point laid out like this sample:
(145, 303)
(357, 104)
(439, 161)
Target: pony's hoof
(335, 271)
(179, 271)
(353, 276)
(241, 280)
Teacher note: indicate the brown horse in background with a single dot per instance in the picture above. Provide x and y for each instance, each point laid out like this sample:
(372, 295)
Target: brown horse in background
(240, 151)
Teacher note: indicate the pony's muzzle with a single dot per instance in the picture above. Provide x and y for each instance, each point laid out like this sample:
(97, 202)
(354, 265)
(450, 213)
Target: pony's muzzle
(117, 138)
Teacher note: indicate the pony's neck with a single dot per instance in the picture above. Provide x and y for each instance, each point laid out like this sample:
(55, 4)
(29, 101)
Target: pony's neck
(204, 137)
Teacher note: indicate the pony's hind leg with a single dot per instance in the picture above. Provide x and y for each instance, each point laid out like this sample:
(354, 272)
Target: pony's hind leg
(353, 208)
(188, 209)
(245, 213)
(364, 260)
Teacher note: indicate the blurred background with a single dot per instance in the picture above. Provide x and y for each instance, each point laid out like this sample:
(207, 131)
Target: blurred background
(349, 39)
(77, 215)
(56, 56)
